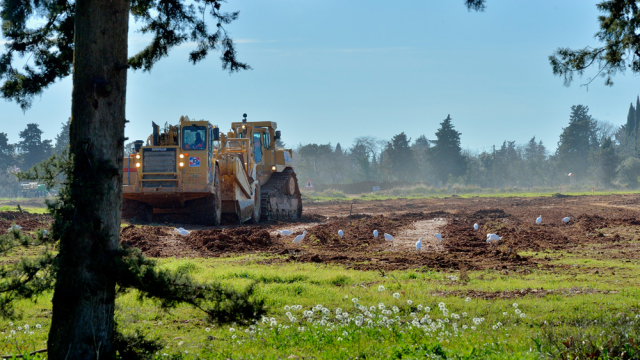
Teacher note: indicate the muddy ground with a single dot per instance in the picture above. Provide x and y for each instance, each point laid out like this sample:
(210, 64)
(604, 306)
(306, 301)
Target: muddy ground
(28, 221)
(602, 226)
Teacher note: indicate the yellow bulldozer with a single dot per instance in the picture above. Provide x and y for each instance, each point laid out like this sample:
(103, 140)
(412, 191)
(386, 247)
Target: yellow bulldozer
(192, 168)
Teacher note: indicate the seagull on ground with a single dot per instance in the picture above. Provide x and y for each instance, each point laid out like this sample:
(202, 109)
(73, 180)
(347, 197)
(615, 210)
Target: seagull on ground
(300, 237)
(375, 234)
(388, 237)
(566, 220)
(493, 237)
(475, 227)
(418, 244)
(539, 220)
(438, 236)
(284, 232)
(181, 231)
(340, 233)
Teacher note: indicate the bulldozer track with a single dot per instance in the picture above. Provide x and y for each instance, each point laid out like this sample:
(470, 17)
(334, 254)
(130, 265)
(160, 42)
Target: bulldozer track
(275, 187)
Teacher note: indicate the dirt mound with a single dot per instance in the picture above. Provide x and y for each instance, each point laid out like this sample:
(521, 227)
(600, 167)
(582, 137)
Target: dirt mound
(157, 241)
(238, 240)
(490, 214)
(28, 221)
(603, 226)
(358, 231)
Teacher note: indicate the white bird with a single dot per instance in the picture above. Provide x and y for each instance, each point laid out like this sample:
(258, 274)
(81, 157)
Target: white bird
(539, 219)
(300, 237)
(388, 237)
(181, 231)
(284, 232)
(340, 233)
(375, 234)
(566, 220)
(419, 244)
(45, 232)
(475, 227)
(493, 237)
(15, 227)
(438, 236)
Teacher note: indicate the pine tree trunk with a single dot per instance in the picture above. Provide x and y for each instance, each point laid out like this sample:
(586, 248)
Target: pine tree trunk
(82, 326)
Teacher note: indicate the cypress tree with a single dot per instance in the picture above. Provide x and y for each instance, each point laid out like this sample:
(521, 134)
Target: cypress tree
(576, 141)
(637, 123)
(609, 161)
(631, 121)
(446, 154)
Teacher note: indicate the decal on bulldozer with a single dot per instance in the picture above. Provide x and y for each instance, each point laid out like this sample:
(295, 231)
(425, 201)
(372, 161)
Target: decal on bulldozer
(194, 161)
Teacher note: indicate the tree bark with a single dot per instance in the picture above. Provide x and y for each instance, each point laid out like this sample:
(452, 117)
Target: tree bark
(82, 326)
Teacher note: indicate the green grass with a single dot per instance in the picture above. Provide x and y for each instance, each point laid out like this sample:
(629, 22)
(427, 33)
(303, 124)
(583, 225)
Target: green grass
(498, 193)
(187, 335)
(34, 210)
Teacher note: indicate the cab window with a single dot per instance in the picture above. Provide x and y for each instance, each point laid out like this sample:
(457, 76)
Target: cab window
(194, 137)
(257, 146)
(266, 139)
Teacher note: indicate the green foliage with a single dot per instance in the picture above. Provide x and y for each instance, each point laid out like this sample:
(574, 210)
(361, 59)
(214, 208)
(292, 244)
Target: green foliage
(28, 277)
(221, 304)
(608, 161)
(32, 148)
(135, 346)
(446, 154)
(51, 43)
(576, 142)
(62, 139)
(629, 171)
(398, 161)
(631, 121)
(50, 171)
(607, 336)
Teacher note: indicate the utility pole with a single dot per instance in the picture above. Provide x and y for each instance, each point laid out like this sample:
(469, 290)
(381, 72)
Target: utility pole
(494, 166)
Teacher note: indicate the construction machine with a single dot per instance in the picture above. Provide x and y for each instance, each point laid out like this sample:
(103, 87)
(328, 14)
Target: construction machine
(269, 170)
(174, 171)
(192, 168)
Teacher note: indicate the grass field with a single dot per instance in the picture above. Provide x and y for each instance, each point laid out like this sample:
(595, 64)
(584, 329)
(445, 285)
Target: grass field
(438, 315)
(424, 192)
(581, 302)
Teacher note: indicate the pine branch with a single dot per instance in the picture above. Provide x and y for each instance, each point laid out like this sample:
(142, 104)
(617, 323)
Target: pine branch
(221, 304)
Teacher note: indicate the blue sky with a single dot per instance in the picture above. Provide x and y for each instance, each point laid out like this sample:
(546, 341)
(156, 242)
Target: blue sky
(332, 70)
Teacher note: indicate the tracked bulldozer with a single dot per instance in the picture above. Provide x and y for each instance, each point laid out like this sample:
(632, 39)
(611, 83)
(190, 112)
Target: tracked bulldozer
(192, 168)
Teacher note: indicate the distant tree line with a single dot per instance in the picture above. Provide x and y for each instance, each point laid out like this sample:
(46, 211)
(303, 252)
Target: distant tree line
(23, 155)
(594, 152)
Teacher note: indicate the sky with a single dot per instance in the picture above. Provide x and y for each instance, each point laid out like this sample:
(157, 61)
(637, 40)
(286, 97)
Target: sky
(333, 70)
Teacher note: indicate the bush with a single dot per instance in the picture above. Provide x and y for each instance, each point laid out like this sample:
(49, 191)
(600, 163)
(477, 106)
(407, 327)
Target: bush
(9, 185)
(629, 171)
(606, 337)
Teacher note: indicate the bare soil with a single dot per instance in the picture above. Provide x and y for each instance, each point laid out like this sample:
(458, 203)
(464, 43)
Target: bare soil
(28, 221)
(602, 226)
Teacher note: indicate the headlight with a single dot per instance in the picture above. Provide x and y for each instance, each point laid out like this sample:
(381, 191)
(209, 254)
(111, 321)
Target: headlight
(181, 156)
(273, 168)
(137, 156)
(181, 164)
(137, 164)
